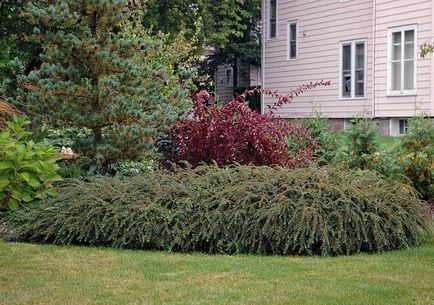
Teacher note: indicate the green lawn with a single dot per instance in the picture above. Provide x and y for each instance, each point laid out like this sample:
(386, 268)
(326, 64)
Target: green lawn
(42, 274)
(388, 142)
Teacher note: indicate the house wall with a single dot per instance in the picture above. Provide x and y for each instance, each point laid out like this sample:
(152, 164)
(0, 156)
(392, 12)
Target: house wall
(247, 76)
(255, 76)
(322, 26)
(243, 75)
(223, 92)
(390, 14)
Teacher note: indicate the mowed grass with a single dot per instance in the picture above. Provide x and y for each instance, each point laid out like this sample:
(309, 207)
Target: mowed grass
(45, 274)
(388, 142)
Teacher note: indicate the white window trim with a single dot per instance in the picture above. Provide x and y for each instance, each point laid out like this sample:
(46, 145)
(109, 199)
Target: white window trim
(269, 20)
(353, 69)
(231, 84)
(403, 92)
(288, 38)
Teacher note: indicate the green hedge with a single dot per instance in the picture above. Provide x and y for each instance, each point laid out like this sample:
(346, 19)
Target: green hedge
(242, 209)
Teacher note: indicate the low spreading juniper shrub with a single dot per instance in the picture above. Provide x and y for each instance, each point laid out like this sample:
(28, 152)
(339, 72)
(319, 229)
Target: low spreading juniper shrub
(242, 209)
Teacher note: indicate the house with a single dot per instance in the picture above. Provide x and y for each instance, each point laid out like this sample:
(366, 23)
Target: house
(368, 49)
(230, 80)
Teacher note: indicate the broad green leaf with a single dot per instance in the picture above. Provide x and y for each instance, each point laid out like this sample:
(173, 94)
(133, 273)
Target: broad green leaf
(4, 182)
(6, 165)
(26, 197)
(55, 178)
(17, 194)
(34, 181)
(25, 176)
(13, 204)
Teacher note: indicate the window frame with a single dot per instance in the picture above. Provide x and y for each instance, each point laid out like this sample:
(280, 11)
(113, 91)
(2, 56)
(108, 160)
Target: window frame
(402, 30)
(231, 83)
(269, 20)
(353, 44)
(288, 38)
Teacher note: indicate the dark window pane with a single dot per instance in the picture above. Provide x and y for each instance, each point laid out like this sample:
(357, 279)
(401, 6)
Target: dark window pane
(273, 9)
(403, 126)
(409, 36)
(346, 61)
(360, 59)
(293, 32)
(273, 28)
(360, 70)
(273, 18)
(293, 50)
(346, 90)
(346, 71)
(397, 38)
(360, 83)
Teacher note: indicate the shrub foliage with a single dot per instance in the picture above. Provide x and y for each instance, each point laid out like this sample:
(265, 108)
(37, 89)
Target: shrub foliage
(260, 210)
(234, 133)
(416, 155)
(328, 141)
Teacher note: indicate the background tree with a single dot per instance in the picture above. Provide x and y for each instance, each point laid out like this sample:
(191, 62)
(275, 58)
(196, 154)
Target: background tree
(231, 28)
(14, 30)
(240, 48)
(209, 22)
(100, 70)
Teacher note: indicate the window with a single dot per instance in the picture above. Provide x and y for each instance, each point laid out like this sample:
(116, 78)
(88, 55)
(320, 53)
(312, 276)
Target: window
(402, 61)
(403, 126)
(353, 69)
(273, 19)
(229, 77)
(292, 40)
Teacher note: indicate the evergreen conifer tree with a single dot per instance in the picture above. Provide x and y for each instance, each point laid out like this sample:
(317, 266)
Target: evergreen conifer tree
(101, 71)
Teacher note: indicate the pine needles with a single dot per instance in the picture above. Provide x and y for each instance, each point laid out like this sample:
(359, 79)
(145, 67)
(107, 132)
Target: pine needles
(257, 210)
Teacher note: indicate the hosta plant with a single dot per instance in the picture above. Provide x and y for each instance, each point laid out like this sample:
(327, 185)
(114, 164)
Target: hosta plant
(28, 170)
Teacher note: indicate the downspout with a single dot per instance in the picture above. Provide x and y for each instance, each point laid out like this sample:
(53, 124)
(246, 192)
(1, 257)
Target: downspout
(262, 65)
(432, 61)
(374, 44)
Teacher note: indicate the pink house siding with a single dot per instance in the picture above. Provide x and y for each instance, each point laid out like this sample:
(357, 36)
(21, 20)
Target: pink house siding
(322, 26)
(390, 14)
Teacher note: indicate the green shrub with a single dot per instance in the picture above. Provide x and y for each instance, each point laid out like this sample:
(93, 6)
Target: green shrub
(243, 209)
(362, 149)
(63, 137)
(78, 168)
(362, 141)
(320, 132)
(416, 155)
(27, 169)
